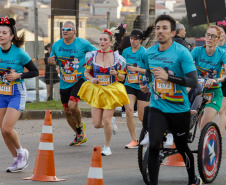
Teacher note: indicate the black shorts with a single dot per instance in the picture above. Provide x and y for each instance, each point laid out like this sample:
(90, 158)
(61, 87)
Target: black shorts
(71, 93)
(223, 87)
(138, 93)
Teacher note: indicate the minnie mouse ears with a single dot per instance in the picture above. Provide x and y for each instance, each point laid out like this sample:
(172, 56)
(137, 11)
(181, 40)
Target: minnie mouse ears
(10, 22)
(7, 21)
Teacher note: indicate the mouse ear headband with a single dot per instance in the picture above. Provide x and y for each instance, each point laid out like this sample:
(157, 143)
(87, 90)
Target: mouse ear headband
(10, 22)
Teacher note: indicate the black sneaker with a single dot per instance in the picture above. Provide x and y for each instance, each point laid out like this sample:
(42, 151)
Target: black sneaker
(198, 181)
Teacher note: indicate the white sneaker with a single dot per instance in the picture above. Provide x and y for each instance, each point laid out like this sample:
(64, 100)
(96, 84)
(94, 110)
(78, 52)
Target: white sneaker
(118, 108)
(123, 114)
(169, 139)
(13, 167)
(145, 140)
(135, 114)
(22, 160)
(106, 151)
(114, 126)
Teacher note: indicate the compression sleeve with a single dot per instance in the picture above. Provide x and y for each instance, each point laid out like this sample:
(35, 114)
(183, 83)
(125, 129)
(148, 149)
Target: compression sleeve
(33, 70)
(191, 79)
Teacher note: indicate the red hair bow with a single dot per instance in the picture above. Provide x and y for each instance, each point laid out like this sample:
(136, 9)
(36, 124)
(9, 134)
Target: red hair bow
(103, 70)
(221, 23)
(107, 31)
(4, 20)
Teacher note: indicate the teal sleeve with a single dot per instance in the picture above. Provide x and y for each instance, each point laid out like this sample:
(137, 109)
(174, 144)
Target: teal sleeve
(25, 58)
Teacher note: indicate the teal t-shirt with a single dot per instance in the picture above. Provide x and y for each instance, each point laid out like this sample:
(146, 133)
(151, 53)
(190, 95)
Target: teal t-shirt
(131, 59)
(15, 59)
(70, 59)
(176, 60)
(209, 66)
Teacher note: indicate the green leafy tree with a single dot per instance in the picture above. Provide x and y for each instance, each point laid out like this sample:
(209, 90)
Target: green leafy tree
(194, 31)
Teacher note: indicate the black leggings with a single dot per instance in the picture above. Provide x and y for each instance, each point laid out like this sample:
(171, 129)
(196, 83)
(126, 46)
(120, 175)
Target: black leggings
(178, 123)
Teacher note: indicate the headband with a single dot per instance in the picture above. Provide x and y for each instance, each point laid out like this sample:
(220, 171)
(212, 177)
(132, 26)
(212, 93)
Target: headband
(106, 31)
(8, 22)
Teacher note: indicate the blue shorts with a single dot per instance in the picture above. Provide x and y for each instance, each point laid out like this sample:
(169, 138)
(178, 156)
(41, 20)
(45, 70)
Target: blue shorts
(17, 100)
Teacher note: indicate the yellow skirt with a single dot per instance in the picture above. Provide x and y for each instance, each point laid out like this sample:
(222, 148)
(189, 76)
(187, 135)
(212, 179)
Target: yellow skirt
(104, 97)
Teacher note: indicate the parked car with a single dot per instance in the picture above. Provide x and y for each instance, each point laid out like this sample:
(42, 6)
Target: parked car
(199, 42)
(31, 90)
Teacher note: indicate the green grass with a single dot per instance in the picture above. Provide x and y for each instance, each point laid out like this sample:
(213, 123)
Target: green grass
(47, 105)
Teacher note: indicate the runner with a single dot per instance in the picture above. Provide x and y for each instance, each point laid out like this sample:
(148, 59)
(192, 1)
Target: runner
(135, 69)
(102, 91)
(12, 89)
(209, 60)
(173, 70)
(69, 53)
(222, 112)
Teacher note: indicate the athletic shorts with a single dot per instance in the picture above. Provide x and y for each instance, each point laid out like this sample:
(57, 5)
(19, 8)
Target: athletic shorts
(17, 100)
(71, 93)
(138, 93)
(223, 87)
(216, 100)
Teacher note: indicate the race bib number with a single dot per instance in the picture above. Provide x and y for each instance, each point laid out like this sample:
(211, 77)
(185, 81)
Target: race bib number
(209, 97)
(104, 79)
(70, 78)
(6, 89)
(164, 87)
(133, 78)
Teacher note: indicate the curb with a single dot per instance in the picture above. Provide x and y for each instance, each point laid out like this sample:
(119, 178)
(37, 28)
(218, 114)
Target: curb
(56, 114)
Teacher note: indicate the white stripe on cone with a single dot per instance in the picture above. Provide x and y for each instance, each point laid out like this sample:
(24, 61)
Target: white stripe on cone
(47, 129)
(45, 146)
(95, 173)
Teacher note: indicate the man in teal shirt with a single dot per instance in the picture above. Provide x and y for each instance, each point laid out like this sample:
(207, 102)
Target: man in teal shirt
(69, 53)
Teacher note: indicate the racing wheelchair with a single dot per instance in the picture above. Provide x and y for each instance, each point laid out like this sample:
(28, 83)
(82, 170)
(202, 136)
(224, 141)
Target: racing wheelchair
(209, 150)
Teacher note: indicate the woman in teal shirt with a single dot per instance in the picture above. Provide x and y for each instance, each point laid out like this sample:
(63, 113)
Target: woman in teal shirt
(135, 70)
(209, 60)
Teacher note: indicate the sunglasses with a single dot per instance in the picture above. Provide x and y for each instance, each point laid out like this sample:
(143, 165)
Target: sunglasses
(68, 29)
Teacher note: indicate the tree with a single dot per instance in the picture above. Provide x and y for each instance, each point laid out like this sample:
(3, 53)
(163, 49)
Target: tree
(194, 31)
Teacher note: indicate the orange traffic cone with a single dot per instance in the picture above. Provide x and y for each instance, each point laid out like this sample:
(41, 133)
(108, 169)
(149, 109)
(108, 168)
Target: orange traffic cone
(175, 160)
(45, 167)
(95, 175)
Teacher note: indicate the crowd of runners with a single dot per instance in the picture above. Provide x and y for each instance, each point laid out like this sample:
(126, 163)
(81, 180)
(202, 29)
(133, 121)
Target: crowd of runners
(115, 75)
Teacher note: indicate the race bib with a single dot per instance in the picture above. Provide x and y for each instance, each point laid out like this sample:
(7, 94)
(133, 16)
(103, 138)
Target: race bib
(104, 79)
(209, 97)
(133, 78)
(6, 89)
(164, 86)
(70, 78)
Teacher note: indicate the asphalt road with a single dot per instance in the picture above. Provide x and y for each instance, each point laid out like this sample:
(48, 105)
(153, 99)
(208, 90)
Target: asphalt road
(72, 162)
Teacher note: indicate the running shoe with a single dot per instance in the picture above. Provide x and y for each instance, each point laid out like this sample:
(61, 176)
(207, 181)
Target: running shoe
(132, 144)
(198, 181)
(169, 139)
(80, 138)
(13, 167)
(145, 140)
(123, 114)
(106, 151)
(135, 114)
(114, 126)
(22, 160)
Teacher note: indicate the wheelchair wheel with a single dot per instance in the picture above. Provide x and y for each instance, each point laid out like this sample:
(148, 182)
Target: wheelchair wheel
(145, 173)
(141, 149)
(209, 152)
